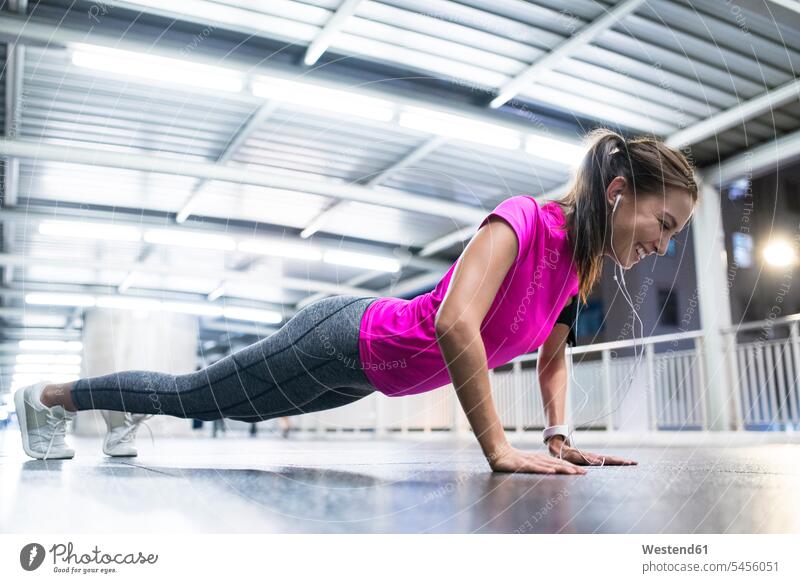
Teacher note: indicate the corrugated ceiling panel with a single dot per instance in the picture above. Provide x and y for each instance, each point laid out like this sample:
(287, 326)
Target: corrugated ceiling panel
(335, 146)
(474, 176)
(65, 102)
(768, 126)
(372, 222)
(108, 187)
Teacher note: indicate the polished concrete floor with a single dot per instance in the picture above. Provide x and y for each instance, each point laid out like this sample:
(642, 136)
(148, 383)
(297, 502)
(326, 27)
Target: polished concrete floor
(423, 483)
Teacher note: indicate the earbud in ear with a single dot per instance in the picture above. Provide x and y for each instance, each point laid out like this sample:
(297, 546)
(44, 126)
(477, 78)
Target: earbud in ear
(616, 202)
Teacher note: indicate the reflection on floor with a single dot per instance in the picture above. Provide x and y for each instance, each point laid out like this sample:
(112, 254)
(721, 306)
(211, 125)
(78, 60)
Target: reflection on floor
(414, 484)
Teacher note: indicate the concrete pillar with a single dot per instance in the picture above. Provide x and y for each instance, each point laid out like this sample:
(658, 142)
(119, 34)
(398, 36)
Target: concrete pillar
(715, 309)
(119, 340)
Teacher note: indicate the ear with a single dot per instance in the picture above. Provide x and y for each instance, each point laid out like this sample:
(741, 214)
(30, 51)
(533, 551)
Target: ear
(617, 186)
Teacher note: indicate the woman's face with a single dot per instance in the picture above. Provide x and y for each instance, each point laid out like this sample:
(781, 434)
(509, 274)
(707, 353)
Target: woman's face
(647, 222)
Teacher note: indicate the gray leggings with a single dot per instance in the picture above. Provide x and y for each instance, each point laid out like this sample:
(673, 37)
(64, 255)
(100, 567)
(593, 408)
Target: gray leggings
(310, 364)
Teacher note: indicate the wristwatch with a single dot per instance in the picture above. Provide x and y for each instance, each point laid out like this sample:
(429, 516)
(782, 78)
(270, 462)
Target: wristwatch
(553, 430)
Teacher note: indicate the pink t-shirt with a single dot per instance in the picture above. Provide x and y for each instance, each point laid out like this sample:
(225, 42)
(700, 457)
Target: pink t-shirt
(397, 339)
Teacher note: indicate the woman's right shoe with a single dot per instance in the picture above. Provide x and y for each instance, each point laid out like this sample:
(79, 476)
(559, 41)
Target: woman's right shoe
(42, 428)
(120, 439)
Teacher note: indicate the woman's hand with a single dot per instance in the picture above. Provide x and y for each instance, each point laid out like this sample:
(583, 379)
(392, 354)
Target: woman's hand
(513, 460)
(583, 458)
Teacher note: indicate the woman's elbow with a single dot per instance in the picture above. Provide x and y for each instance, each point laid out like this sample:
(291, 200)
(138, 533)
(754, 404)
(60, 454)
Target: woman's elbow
(448, 324)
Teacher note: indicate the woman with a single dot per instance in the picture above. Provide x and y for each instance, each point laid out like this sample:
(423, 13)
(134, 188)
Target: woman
(500, 299)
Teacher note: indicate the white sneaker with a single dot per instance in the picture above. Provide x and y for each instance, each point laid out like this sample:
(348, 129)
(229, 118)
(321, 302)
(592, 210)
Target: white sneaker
(121, 436)
(42, 428)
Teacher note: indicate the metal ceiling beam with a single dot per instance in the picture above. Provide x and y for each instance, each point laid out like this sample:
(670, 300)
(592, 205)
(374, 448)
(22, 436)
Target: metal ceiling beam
(448, 240)
(739, 114)
(359, 279)
(36, 334)
(209, 170)
(206, 324)
(411, 158)
(224, 325)
(563, 51)
(336, 22)
(306, 285)
(22, 312)
(105, 290)
(759, 160)
(247, 129)
(31, 218)
(243, 328)
(793, 5)
(412, 285)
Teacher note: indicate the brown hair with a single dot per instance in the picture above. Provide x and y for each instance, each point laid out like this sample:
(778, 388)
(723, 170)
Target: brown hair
(647, 165)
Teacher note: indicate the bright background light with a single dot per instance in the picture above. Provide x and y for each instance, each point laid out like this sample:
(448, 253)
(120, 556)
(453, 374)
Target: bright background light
(778, 253)
(108, 232)
(317, 97)
(163, 69)
(362, 260)
(189, 239)
(461, 128)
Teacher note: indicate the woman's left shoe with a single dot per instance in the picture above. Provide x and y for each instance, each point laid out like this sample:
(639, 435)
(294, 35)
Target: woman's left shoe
(120, 440)
(42, 428)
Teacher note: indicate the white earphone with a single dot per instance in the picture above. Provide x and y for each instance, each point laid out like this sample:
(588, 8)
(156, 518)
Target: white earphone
(616, 204)
(625, 294)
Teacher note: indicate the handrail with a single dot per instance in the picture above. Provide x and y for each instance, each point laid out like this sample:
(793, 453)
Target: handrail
(676, 336)
(761, 324)
(615, 344)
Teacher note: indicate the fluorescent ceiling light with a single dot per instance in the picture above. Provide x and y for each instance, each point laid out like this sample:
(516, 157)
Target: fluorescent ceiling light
(47, 368)
(147, 304)
(108, 232)
(556, 150)
(252, 315)
(49, 358)
(48, 299)
(779, 253)
(128, 303)
(462, 128)
(189, 239)
(362, 260)
(164, 69)
(192, 308)
(288, 250)
(51, 345)
(317, 97)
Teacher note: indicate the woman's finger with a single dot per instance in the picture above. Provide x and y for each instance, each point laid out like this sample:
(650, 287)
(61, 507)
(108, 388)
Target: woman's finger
(617, 461)
(561, 467)
(537, 468)
(567, 467)
(585, 457)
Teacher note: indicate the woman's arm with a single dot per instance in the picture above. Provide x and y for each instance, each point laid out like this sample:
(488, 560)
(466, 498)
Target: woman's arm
(476, 279)
(552, 368)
